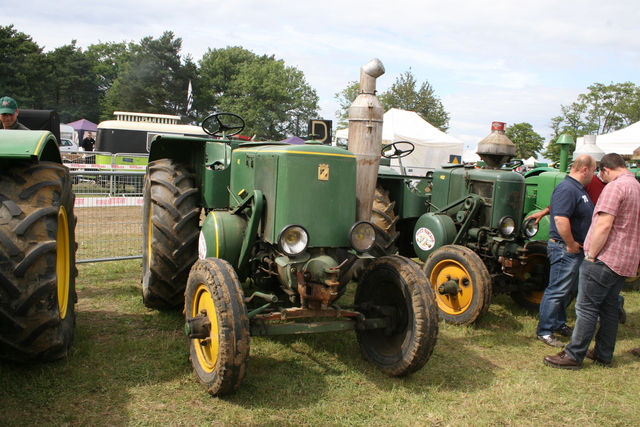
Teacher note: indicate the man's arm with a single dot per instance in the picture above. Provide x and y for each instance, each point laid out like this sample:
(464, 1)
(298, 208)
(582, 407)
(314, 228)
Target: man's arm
(538, 215)
(564, 229)
(600, 233)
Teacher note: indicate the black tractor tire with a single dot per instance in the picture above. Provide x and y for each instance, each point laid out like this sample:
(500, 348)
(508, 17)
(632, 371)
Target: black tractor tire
(395, 283)
(461, 264)
(537, 261)
(169, 233)
(37, 262)
(220, 360)
(384, 221)
(632, 283)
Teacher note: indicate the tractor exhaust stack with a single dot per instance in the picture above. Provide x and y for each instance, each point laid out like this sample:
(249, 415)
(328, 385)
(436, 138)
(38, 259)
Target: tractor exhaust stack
(496, 149)
(365, 137)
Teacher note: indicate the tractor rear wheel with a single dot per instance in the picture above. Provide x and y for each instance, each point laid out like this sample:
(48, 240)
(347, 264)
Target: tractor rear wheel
(37, 262)
(461, 283)
(169, 233)
(384, 221)
(218, 326)
(535, 274)
(394, 287)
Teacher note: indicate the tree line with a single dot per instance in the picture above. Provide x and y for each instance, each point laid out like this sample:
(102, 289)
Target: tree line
(152, 76)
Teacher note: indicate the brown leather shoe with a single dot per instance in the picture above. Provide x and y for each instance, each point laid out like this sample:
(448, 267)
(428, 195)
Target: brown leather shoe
(591, 355)
(562, 361)
(636, 351)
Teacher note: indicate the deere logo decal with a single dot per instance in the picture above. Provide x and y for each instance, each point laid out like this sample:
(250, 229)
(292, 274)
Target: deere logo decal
(323, 172)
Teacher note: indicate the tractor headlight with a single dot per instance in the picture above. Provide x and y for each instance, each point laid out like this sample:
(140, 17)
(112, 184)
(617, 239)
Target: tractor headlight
(293, 240)
(362, 236)
(507, 226)
(529, 227)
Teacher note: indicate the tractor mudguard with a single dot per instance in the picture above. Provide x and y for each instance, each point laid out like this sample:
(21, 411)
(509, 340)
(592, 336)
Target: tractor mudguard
(221, 236)
(22, 145)
(432, 231)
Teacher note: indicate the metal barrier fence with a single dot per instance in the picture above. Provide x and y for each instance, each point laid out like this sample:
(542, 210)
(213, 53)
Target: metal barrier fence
(108, 206)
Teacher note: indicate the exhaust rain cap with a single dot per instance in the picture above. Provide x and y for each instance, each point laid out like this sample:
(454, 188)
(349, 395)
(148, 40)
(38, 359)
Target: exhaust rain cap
(496, 149)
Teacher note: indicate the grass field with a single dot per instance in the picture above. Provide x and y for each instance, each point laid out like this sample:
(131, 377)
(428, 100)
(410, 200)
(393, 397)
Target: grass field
(129, 367)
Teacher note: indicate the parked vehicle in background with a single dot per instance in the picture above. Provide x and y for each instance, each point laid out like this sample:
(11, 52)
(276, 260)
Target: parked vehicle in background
(68, 145)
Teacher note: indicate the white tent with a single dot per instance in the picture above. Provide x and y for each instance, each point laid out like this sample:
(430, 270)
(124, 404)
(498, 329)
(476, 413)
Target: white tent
(622, 141)
(432, 146)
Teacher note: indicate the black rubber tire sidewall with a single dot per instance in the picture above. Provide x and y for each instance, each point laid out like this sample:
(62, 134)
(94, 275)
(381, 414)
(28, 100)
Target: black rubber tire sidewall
(233, 333)
(31, 327)
(397, 281)
(169, 233)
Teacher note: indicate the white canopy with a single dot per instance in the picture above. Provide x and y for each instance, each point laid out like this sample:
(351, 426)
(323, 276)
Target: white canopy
(622, 141)
(432, 146)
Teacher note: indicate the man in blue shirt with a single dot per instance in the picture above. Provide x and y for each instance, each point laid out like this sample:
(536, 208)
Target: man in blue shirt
(571, 212)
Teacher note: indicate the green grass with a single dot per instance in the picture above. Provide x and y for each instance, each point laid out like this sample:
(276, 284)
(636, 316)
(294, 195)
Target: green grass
(129, 366)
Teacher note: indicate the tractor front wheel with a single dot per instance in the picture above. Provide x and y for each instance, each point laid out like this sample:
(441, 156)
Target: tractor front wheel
(169, 233)
(37, 262)
(535, 275)
(461, 284)
(217, 325)
(394, 287)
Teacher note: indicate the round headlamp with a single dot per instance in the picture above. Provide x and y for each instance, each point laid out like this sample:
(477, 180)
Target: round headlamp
(362, 236)
(507, 226)
(293, 240)
(529, 227)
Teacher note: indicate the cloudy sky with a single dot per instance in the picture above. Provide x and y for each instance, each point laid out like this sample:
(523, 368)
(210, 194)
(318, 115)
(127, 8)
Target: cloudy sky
(509, 61)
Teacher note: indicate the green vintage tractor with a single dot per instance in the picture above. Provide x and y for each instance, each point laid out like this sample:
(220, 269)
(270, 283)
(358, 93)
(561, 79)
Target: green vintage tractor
(466, 225)
(37, 248)
(258, 239)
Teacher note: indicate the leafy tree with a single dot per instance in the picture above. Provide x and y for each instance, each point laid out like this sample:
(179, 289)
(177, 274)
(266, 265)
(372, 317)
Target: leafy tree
(604, 109)
(403, 94)
(72, 88)
(154, 80)
(528, 142)
(24, 68)
(272, 98)
(107, 61)
(345, 98)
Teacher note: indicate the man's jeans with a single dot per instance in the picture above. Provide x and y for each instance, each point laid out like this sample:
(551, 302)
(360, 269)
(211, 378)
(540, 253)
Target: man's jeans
(563, 285)
(598, 297)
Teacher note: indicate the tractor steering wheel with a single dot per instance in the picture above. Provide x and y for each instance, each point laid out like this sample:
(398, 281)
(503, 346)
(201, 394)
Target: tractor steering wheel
(396, 151)
(214, 126)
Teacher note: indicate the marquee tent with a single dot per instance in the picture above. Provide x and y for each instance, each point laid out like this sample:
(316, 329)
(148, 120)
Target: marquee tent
(432, 146)
(81, 126)
(622, 141)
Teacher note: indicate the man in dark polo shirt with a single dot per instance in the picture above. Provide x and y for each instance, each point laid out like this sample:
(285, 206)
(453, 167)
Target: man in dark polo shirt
(571, 211)
(612, 253)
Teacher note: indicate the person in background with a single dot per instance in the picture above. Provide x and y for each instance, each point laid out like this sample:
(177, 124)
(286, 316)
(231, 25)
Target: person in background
(9, 114)
(88, 143)
(571, 211)
(612, 253)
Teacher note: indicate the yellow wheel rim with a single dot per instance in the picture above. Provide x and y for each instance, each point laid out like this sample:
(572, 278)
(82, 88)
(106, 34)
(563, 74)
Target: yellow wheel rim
(206, 353)
(634, 278)
(532, 296)
(149, 234)
(63, 262)
(447, 270)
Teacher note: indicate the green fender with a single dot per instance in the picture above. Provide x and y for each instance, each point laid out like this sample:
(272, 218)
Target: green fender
(432, 231)
(28, 145)
(221, 236)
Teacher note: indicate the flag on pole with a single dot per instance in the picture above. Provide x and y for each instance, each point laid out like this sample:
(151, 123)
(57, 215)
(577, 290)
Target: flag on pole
(189, 97)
